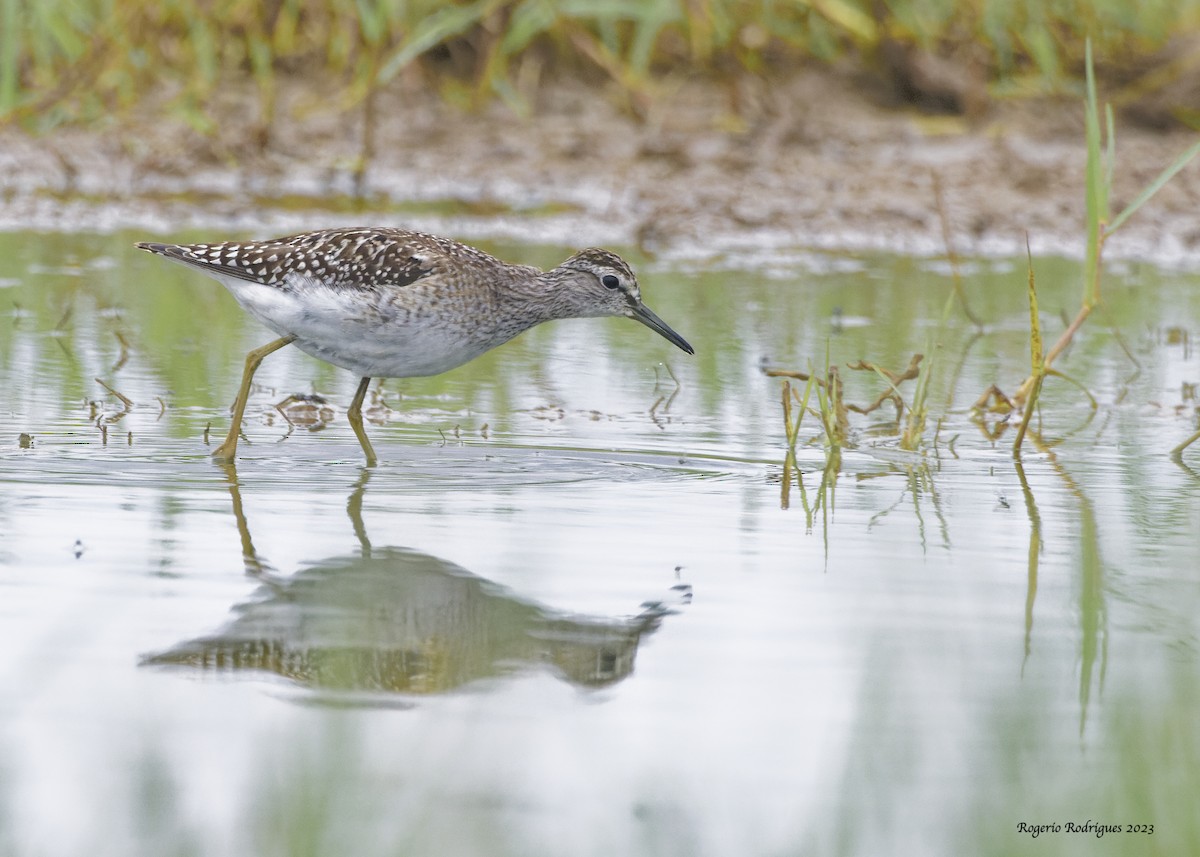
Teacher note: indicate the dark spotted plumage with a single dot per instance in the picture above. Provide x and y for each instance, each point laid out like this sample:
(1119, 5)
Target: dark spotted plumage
(338, 258)
(391, 303)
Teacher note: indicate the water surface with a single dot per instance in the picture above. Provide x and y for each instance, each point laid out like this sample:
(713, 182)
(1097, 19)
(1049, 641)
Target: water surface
(582, 606)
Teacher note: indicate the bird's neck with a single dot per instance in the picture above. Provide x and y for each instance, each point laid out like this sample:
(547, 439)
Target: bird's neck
(537, 298)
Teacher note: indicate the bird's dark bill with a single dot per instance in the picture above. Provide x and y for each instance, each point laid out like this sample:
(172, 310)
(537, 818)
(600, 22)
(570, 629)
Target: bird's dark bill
(643, 313)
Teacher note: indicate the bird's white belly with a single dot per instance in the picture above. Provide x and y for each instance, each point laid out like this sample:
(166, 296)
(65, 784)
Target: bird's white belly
(405, 352)
(346, 330)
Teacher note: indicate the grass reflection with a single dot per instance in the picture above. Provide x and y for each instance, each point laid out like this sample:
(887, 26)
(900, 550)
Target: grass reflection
(1140, 766)
(1035, 552)
(1092, 608)
(919, 481)
(323, 786)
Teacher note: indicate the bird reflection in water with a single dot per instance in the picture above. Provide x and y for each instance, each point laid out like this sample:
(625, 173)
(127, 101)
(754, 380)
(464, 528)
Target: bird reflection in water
(395, 620)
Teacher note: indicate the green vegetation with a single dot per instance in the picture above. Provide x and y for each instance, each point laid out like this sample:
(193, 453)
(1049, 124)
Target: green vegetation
(83, 60)
(1037, 358)
(834, 411)
(1101, 162)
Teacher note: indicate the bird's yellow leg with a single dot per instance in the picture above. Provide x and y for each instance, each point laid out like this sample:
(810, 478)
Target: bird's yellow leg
(227, 450)
(354, 415)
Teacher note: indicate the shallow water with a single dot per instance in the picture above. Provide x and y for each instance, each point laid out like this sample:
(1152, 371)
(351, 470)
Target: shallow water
(582, 606)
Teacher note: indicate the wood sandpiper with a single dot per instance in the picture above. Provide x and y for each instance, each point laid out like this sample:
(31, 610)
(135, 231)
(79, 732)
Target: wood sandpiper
(390, 303)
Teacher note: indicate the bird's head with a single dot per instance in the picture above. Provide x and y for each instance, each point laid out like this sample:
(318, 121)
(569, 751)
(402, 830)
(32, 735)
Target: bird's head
(597, 283)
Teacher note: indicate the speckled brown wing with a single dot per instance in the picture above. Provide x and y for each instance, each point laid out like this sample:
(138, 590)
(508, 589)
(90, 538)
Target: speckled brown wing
(351, 259)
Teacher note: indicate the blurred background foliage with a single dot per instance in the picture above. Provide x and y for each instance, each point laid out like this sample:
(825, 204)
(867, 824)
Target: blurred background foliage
(71, 61)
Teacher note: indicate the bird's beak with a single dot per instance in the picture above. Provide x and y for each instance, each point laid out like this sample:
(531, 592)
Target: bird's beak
(642, 313)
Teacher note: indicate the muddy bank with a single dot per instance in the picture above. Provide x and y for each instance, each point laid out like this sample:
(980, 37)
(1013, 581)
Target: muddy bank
(712, 173)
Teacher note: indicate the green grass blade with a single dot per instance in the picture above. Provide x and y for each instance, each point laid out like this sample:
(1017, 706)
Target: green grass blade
(530, 19)
(1037, 355)
(444, 24)
(808, 388)
(10, 54)
(1154, 187)
(849, 17)
(372, 21)
(654, 19)
(1037, 359)
(205, 59)
(1110, 148)
(1096, 195)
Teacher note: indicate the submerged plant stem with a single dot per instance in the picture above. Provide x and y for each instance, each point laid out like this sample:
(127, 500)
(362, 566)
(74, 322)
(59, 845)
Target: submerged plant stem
(1178, 451)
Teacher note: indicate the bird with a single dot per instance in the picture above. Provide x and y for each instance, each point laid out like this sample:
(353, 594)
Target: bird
(386, 302)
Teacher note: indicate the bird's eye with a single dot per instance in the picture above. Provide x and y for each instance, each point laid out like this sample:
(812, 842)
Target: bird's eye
(610, 282)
